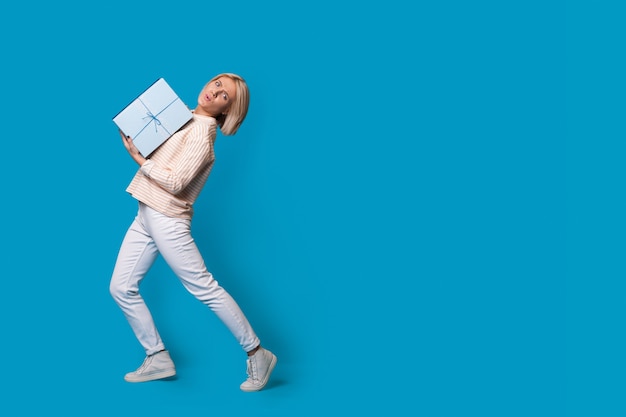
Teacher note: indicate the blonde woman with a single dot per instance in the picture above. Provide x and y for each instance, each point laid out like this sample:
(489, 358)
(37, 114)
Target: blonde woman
(166, 187)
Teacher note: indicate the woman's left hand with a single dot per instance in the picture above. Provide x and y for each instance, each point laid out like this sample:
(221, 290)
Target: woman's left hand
(132, 149)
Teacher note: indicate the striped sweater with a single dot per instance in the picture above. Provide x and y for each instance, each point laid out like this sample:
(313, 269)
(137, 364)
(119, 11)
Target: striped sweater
(171, 180)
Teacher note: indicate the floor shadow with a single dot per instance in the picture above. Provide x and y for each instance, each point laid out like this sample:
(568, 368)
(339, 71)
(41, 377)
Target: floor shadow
(275, 383)
(169, 378)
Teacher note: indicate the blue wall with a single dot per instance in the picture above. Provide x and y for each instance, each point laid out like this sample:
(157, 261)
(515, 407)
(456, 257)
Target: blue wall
(596, 289)
(390, 216)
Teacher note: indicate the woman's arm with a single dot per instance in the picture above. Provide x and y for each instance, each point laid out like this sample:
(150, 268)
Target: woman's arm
(192, 159)
(132, 149)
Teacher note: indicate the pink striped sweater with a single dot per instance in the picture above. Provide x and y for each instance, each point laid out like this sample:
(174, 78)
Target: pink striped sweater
(171, 180)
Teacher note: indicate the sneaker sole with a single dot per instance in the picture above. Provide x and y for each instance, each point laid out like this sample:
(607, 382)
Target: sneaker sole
(151, 377)
(267, 378)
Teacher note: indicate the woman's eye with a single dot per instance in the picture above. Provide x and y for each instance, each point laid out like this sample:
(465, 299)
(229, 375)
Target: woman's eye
(225, 97)
(217, 83)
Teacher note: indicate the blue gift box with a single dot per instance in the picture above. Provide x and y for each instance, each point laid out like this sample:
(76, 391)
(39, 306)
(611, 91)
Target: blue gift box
(153, 117)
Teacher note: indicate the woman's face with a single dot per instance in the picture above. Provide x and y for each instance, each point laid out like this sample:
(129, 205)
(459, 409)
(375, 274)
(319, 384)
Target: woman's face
(217, 96)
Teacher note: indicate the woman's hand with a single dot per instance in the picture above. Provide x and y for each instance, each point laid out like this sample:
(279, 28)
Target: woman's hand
(132, 149)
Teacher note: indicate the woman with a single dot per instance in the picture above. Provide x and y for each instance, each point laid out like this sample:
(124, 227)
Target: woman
(166, 186)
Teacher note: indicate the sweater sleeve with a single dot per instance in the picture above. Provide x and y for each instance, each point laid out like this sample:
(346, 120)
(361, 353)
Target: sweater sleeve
(194, 156)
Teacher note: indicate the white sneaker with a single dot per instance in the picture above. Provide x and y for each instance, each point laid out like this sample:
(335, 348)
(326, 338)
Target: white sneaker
(155, 366)
(260, 366)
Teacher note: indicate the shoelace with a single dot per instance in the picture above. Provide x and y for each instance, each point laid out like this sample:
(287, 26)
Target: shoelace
(251, 371)
(145, 364)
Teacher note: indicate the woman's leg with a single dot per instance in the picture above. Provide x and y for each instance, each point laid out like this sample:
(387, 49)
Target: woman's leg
(137, 254)
(175, 243)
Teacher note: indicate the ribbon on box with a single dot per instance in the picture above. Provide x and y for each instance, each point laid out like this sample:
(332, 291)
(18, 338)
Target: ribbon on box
(156, 121)
(154, 118)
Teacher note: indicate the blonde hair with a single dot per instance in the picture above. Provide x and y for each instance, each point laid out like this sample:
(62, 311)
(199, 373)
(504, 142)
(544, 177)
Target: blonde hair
(230, 122)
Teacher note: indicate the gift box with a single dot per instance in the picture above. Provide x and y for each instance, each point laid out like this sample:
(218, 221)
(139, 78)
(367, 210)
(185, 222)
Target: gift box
(153, 117)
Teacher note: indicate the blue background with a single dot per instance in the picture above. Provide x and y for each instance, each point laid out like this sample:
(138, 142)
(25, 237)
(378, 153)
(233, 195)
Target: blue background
(596, 290)
(391, 216)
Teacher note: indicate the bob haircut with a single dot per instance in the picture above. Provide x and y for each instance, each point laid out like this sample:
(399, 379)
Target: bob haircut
(236, 113)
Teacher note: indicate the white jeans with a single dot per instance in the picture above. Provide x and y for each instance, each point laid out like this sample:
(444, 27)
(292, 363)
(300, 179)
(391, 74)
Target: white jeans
(152, 233)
